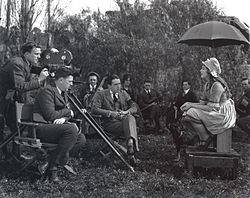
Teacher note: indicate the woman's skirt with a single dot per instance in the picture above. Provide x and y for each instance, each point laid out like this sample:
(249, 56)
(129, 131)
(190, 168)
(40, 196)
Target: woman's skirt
(217, 120)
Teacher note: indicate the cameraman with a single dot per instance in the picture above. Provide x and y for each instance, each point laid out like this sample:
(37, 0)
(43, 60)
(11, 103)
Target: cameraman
(243, 107)
(15, 79)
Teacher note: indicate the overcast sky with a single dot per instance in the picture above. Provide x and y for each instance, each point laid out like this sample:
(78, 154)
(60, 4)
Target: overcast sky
(238, 8)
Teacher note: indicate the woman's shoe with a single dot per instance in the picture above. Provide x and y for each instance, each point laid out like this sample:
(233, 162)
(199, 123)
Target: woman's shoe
(206, 143)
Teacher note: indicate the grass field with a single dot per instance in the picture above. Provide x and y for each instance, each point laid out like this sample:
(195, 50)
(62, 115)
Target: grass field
(156, 175)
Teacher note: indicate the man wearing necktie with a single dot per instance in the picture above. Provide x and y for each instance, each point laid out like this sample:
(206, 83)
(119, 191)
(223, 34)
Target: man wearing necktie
(52, 108)
(186, 95)
(148, 100)
(88, 91)
(117, 109)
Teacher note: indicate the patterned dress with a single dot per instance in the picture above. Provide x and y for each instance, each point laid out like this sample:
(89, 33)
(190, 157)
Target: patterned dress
(223, 114)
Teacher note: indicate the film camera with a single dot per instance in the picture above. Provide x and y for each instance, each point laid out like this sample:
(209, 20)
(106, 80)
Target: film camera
(52, 59)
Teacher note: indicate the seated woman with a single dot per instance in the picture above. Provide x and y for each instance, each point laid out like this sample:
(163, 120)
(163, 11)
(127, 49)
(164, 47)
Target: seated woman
(215, 112)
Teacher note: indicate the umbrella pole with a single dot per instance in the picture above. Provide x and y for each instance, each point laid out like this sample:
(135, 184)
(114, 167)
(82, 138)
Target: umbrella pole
(214, 51)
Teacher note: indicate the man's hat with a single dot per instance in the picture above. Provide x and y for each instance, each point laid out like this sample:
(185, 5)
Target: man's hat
(93, 74)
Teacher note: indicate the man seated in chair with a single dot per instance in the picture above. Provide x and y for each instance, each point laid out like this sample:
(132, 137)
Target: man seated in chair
(148, 100)
(116, 108)
(52, 108)
(243, 107)
(87, 92)
(173, 112)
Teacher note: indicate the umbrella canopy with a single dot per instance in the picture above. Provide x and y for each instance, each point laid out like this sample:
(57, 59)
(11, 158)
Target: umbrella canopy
(213, 34)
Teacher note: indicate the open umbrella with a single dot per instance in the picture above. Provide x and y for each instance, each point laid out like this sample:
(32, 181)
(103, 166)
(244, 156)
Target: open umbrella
(213, 34)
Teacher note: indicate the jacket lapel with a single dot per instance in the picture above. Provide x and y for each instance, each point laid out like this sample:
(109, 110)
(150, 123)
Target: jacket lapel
(59, 96)
(121, 98)
(108, 96)
(27, 67)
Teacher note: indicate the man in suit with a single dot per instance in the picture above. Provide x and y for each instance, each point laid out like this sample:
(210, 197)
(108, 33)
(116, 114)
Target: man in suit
(89, 90)
(149, 100)
(116, 108)
(86, 94)
(186, 95)
(243, 107)
(15, 81)
(52, 108)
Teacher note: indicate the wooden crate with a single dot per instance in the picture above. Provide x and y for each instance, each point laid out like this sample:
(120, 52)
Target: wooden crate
(212, 159)
(224, 141)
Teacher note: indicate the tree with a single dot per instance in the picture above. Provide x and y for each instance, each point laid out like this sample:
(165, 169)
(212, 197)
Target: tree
(142, 41)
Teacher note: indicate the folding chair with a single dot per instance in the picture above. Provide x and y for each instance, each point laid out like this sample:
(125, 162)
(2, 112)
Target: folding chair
(24, 114)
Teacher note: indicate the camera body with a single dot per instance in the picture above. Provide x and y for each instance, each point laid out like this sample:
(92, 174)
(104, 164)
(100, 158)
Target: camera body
(52, 60)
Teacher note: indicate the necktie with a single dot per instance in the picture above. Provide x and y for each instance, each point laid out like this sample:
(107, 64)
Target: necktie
(115, 98)
(63, 95)
(92, 89)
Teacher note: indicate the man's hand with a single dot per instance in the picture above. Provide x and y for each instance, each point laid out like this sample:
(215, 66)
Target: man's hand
(43, 75)
(72, 113)
(59, 121)
(124, 112)
(117, 115)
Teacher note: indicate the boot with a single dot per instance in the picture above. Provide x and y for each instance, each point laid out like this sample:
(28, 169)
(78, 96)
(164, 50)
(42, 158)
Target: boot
(53, 177)
(43, 167)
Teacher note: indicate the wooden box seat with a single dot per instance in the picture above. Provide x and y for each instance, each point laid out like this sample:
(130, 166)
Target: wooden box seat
(219, 155)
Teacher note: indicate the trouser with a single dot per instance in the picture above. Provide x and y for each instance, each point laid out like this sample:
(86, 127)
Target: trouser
(65, 135)
(80, 142)
(244, 123)
(8, 117)
(125, 127)
(154, 113)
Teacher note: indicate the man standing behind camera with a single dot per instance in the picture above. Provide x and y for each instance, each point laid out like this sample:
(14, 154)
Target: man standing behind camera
(15, 79)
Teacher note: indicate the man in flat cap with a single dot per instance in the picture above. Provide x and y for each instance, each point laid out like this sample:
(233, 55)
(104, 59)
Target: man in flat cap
(89, 90)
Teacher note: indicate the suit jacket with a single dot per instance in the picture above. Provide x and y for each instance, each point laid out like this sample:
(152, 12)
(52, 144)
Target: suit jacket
(189, 97)
(83, 94)
(144, 99)
(15, 78)
(103, 103)
(242, 106)
(50, 105)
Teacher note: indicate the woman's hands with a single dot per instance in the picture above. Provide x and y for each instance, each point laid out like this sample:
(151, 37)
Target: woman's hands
(186, 106)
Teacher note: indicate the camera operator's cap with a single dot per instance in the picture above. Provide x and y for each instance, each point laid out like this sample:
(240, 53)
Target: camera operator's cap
(93, 74)
(213, 66)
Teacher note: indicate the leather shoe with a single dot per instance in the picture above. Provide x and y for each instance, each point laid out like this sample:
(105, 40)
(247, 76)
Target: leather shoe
(131, 160)
(53, 177)
(205, 144)
(43, 167)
